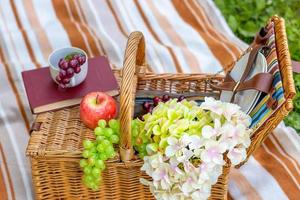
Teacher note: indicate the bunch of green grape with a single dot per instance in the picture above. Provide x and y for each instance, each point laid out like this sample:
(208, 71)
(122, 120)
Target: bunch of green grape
(96, 152)
(139, 140)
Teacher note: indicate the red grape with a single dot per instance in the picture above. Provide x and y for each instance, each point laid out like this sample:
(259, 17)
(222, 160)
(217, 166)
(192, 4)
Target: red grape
(77, 70)
(81, 60)
(180, 98)
(58, 79)
(73, 63)
(66, 80)
(70, 72)
(149, 110)
(63, 64)
(146, 106)
(61, 85)
(76, 56)
(156, 100)
(165, 98)
(62, 73)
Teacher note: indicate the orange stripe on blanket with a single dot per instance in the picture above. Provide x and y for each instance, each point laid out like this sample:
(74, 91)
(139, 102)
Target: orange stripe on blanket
(24, 34)
(293, 169)
(212, 30)
(275, 168)
(71, 29)
(12, 192)
(84, 28)
(276, 141)
(187, 13)
(242, 183)
(38, 29)
(15, 90)
(175, 38)
(3, 191)
(147, 23)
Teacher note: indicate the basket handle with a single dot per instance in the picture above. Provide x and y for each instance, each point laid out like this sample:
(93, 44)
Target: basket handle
(134, 57)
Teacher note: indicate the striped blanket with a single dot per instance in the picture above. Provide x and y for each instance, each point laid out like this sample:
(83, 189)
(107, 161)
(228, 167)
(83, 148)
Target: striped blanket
(181, 35)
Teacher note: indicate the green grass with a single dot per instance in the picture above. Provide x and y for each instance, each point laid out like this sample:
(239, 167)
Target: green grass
(246, 17)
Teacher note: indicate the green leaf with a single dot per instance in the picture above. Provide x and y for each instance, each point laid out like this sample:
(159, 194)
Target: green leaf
(260, 4)
(232, 23)
(249, 29)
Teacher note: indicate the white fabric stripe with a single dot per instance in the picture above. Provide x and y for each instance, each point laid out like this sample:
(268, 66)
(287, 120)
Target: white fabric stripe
(5, 177)
(214, 39)
(194, 42)
(235, 192)
(17, 42)
(289, 140)
(260, 178)
(20, 160)
(105, 15)
(51, 25)
(272, 138)
(130, 23)
(110, 46)
(220, 24)
(283, 165)
(160, 52)
(34, 43)
(163, 36)
(90, 52)
(88, 28)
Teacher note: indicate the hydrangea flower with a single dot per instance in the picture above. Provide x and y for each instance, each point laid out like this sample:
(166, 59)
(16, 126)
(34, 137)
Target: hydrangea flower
(186, 145)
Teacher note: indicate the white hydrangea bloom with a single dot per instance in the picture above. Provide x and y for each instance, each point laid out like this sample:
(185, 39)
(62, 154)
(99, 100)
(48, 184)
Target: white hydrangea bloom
(187, 156)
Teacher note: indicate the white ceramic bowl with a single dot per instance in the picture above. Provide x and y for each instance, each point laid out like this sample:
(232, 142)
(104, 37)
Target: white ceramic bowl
(54, 58)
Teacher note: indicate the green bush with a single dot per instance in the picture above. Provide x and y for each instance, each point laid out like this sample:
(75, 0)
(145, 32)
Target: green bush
(246, 17)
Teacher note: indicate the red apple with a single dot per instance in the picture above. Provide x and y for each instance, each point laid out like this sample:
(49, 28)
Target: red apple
(95, 106)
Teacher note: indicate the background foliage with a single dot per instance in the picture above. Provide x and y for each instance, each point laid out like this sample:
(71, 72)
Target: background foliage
(246, 17)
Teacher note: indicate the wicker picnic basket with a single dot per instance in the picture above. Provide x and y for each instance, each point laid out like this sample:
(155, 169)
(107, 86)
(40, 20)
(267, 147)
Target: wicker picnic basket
(55, 145)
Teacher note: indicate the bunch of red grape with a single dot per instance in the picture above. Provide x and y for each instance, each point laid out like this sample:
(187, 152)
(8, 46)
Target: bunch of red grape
(68, 66)
(148, 106)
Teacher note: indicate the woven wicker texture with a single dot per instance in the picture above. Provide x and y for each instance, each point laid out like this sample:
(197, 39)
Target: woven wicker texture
(55, 149)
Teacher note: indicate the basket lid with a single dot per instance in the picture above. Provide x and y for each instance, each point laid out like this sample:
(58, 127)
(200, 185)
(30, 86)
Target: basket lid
(58, 134)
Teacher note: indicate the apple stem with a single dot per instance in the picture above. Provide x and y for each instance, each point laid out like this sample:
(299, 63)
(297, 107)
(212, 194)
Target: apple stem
(97, 98)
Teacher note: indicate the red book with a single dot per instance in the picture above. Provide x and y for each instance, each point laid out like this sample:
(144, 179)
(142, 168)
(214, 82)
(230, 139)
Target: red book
(43, 93)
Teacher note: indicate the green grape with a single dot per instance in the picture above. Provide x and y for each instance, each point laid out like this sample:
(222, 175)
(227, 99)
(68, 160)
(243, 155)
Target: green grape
(111, 154)
(108, 132)
(102, 123)
(87, 144)
(100, 147)
(114, 124)
(114, 139)
(100, 164)
(88, 179)
(135, 132)
(106, 143)
(86, 154)
(103, 156)
(142, 155)
(109, 150)
(99, 138)
(94, 186)
(87, 169)
(96, 172)
(83, 163)
(93, 149)
(92, 161)
(98, 131)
